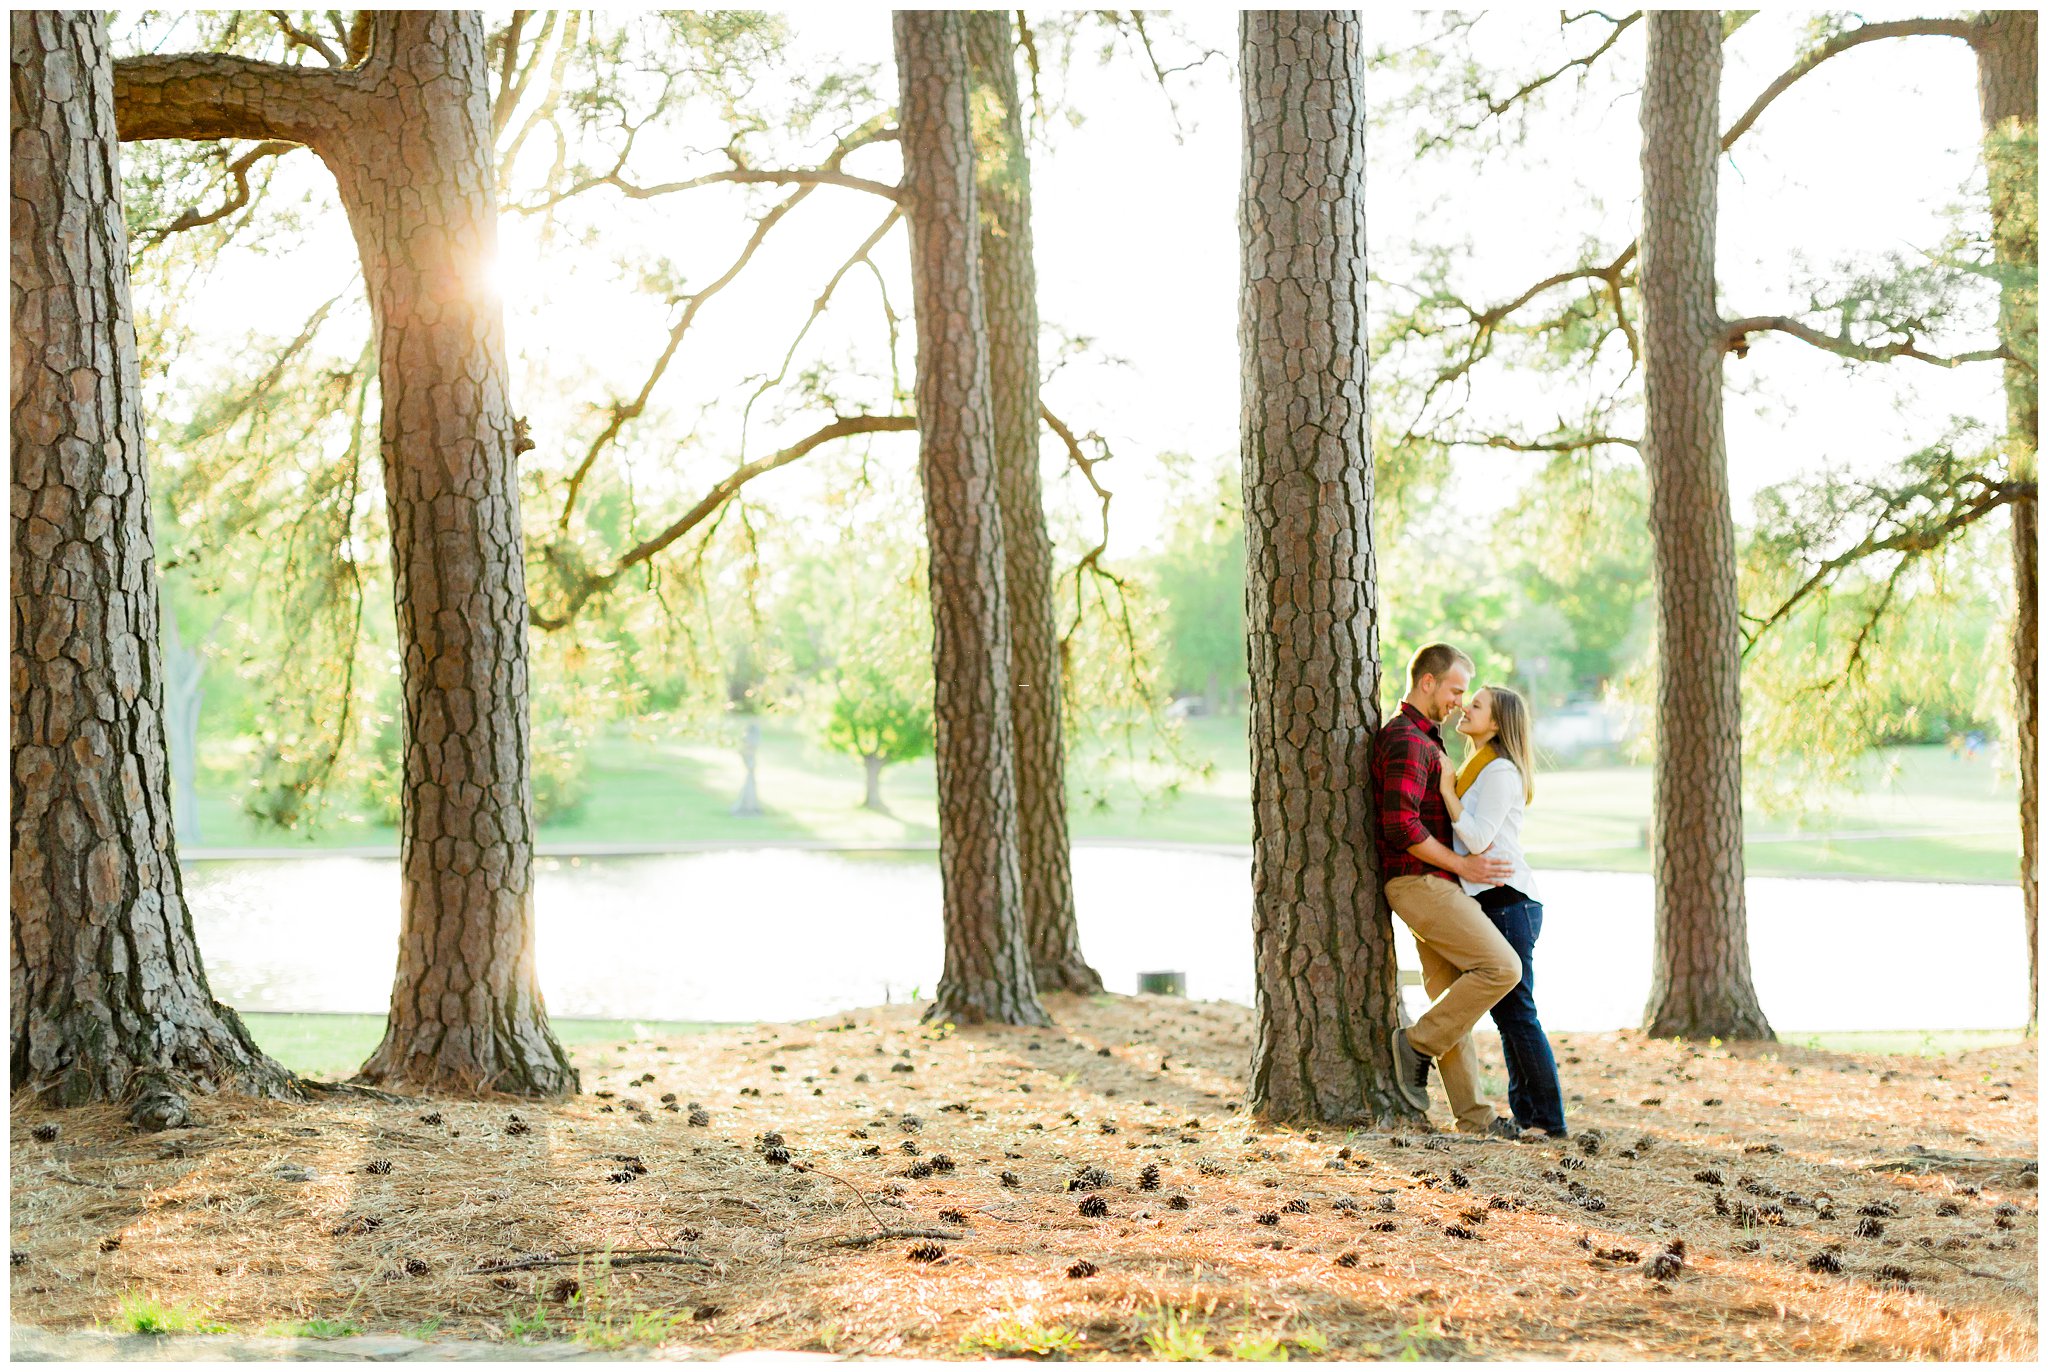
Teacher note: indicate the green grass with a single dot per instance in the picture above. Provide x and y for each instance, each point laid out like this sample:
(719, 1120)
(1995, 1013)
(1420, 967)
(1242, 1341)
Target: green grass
(335, 1045)
(145, 1314)
(317, 1328)
(1016, 1336)
(647, 786)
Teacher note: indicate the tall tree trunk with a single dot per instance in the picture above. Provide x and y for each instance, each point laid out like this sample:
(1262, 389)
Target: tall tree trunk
(1701, 981)
(1009, 293)
(987, 973)
(109, 998)
(1323, 939)
(2007, 44)
(407, 135)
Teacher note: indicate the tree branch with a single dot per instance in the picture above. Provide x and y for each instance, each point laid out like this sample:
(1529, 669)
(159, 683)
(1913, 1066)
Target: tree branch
(1835, 47)
(1913, 539)
(713, 501)
(214, 95)
(1740, 329)
(300, 38)
(237, 198)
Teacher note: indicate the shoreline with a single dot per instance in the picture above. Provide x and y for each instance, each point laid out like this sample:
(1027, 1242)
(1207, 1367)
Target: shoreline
(681, 847)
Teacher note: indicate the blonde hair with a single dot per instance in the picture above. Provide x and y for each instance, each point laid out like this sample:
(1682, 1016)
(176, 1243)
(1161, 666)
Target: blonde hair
(1511, 736)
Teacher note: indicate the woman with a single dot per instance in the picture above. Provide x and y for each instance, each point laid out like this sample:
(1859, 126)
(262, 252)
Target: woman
(1487, 798)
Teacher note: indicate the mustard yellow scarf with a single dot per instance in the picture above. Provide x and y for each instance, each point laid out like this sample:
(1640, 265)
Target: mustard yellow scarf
(1474, 765)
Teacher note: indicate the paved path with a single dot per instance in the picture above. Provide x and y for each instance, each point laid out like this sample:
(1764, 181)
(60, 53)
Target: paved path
(29, 1344)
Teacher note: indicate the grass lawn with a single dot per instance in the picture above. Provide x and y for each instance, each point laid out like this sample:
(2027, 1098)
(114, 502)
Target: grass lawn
(1918, 813)
(335, 1045)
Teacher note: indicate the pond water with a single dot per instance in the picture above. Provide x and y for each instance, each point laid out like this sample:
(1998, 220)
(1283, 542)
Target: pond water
(777, 934)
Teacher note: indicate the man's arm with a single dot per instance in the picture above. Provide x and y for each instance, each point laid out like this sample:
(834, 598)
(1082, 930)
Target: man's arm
(1490, 871)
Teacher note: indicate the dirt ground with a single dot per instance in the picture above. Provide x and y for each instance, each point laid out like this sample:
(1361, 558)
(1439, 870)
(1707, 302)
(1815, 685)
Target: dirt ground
(1875, 1207)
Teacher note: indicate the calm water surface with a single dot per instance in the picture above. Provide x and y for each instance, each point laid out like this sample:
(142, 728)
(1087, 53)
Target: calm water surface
(765, 934)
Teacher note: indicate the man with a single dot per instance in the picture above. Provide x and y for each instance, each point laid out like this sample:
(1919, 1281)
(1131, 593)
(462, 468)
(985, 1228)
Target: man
(1466, 964)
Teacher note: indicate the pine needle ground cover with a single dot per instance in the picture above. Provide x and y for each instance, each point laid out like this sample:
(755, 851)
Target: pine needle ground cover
(867, 1185)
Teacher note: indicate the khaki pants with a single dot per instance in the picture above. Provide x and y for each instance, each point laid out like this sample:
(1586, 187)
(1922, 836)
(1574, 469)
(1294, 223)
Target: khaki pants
(1466, 967)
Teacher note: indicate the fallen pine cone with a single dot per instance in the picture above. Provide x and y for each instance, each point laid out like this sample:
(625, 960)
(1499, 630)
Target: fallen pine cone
(1010, 1179)
(431, 1117)
(381, 1167)
(1297, 1206)
(1895, 1275)
(1094, 1208)
(1629, 1255)
(1824, 1262)
(775, 1157)
(516, 1125)
(1148, 1180)
(939, 1162)
(1176, 1202)
(700, 1117)
(952, 1217)
(925, 1252)
(1384, 1227)
(1089, 1179)
(1266, 1217)
(416, 1267)
(44, 1133)
(1083, 1268)
(1347, 1260)
(1869, 1229)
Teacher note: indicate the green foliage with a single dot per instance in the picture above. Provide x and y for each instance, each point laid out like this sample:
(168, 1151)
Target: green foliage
(525, 1327)
(317, 1328)
(1422, 1341)
(1199, 574)
(1173, 1335)
(142, 1313)
(1020, 1336)
(873, 714)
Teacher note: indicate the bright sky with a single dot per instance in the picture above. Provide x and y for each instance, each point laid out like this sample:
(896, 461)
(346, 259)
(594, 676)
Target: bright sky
(1137, 250)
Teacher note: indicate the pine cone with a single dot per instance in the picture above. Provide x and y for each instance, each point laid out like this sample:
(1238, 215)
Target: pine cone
(1266, 1217)
(1094, 1208)
(44, 1133)
(1176, 1202)
(1824, 1262)
(1296, 1206)
(1083, 1268)
(1148, 1179)
(775, 1157)
(700, 1117)
(925, 1252)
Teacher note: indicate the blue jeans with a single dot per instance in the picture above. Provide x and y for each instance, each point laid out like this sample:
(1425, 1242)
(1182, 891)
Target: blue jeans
(1533, 1092)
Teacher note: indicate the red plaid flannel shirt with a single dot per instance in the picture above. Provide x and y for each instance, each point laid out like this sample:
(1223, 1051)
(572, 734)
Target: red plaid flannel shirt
(1406, 762)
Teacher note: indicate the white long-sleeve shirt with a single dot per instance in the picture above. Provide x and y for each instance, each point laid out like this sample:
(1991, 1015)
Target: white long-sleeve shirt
(1491, 823)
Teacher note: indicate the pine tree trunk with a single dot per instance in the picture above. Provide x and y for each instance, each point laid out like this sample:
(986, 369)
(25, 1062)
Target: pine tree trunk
(2007, 44)
(987, 974)
(466, 1011)
(109, 998)
(407, 135)
(1701, 981)
(1009, 291)
(1323, 938)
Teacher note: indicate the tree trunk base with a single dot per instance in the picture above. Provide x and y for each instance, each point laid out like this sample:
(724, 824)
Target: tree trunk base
(957, 1005)
(78, 1064)
(1070, 974)
(1727, 1023)
(434, 1059)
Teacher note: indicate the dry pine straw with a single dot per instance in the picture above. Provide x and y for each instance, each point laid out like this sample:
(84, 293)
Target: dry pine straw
(203, 1216)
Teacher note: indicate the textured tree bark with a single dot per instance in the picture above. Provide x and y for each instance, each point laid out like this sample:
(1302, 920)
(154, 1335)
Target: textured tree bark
(108, 996)
(2007, 44)
(1323, 938)
(1009, 289)
(1701, 983)
(407, 135)
(987, 974)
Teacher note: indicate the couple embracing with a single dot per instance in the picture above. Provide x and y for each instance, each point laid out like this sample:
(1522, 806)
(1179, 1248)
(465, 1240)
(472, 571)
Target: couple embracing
(1451, 857)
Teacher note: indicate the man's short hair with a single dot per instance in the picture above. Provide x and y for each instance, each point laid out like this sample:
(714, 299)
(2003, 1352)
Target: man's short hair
(1435, 660)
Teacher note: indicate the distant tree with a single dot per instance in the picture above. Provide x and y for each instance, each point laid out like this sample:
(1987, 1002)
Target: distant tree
(873, 716)
(108, 994)
(1200, 576)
